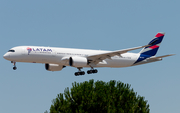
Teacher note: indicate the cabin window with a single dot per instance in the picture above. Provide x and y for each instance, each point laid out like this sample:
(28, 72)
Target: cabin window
(11, 50)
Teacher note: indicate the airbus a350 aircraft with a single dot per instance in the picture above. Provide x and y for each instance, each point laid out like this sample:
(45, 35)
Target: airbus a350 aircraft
(55, 59)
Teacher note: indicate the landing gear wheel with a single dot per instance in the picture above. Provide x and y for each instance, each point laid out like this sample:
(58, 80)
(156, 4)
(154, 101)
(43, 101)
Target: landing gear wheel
(14, 68)
(88, 72)
(95, 71)
(92, 71)
(82, 73)
(77, 74)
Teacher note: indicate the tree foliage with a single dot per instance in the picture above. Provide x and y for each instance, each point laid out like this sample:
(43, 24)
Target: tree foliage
(99, 97)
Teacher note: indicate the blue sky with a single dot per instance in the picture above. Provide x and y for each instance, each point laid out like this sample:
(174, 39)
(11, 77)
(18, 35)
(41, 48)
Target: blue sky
(102, 25)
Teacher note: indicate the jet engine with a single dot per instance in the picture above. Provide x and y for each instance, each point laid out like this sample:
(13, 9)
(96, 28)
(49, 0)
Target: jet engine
(53, 67)
(78, 61)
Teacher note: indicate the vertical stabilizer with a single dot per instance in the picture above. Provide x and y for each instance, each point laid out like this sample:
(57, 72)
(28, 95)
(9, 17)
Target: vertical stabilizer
(154, 45)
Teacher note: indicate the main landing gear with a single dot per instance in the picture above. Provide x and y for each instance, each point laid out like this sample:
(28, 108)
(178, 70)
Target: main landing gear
(83, 73)
(79, 72)
(14, 65)
(92, 71)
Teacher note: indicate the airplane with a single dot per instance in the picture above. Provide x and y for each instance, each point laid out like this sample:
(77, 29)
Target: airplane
(55, 59)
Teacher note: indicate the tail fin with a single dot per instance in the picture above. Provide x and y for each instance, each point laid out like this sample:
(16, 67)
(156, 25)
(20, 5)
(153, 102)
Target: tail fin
(154, 45)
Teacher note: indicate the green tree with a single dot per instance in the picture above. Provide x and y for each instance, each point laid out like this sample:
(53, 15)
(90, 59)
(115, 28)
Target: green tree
(99, 97)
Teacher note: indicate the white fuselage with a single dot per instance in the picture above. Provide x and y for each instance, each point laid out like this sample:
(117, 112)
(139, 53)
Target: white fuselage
(55, 59)
(53, 55)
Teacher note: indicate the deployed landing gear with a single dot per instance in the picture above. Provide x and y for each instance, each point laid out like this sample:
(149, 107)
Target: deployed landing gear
(88, 72)
(79, 72)
(14, 64)
(92, 71)
(14, 68)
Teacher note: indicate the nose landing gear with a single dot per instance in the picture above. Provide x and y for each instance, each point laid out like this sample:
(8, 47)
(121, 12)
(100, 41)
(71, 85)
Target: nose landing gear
(14, 64)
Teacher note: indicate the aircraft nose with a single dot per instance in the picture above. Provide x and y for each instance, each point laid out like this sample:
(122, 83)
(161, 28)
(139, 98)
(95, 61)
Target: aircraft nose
(6, 56)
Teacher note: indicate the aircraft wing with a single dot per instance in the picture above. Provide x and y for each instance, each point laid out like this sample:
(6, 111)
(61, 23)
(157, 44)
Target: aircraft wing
(159, 57)
(96, 58)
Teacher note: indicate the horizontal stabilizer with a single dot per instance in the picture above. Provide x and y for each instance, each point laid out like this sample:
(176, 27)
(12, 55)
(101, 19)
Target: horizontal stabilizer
(159, 57)
(152, 59)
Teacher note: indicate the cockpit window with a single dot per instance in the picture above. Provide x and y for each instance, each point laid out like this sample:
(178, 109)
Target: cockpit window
(11, 50)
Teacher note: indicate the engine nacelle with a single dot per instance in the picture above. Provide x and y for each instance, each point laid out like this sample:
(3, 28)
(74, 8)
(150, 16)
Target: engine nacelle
(53, 67)
(78, 61)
